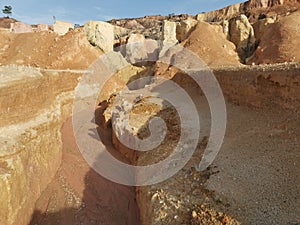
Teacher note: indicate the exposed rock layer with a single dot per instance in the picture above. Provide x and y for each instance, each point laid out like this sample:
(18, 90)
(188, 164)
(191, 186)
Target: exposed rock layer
(30, 137)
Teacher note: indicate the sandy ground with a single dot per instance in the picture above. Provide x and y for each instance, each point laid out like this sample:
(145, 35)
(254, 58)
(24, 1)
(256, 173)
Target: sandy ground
(259, 166)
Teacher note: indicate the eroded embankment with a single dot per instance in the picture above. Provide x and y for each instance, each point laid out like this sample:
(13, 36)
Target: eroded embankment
(33, 107)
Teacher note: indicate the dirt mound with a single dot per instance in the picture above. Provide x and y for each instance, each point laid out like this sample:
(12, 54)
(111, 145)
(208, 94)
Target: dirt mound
(48, 50)
(5, 22)
(210, 44)
(280, 42)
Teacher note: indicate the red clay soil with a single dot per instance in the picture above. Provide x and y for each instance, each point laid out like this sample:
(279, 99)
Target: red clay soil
(280, 42)
(210, 44)
(48, 50)
(78, 195)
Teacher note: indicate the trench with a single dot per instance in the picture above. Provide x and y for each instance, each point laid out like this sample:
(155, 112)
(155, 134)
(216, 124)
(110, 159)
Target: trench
(78, 195)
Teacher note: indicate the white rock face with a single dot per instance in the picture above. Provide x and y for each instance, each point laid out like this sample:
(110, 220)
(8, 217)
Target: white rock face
(169, 32)
(169, 36)
(241, 33)
(100, 34)
(135, 48)
(20, 27)
(183, 29)
(62, 27)
(225, 26)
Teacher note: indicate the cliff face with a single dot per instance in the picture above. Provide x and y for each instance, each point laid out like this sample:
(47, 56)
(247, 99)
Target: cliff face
(252, 8)
(264, 3)
(34, 106)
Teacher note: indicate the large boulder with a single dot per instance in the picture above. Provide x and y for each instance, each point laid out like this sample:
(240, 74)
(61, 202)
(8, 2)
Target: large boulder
(100, 34)
(62, 27)
(135, 47)
(20, 27)
(184, 28)
(140, 49)
(241, 33)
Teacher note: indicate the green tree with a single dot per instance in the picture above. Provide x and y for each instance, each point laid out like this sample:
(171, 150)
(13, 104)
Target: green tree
(7, 10)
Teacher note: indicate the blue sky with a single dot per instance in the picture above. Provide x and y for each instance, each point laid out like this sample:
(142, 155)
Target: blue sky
(42, 11)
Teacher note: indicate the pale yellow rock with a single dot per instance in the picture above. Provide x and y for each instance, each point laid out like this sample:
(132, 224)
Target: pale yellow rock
(201, 17)
(100, 34)
(169, 32)
(241, 33)
(169, 36)
(62, 27)
(183, 29)
(30, 137)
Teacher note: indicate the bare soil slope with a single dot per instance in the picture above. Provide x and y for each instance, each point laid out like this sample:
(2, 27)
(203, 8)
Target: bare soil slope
(281, 41)
(5, 22)
(48, 50)
(210, 44)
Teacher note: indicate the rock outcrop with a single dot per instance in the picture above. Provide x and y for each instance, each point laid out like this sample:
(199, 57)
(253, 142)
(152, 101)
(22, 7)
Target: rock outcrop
(251, 7)
(120, 32)
(218, 15)
(30, 137)
(42, 27)
(280, 42)
(184, 28)
(169, 32)
(264, 3)
(134, 47)
(100, 34)
(168, 36)
(20, 27)
(241, 33)
(62, 27)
